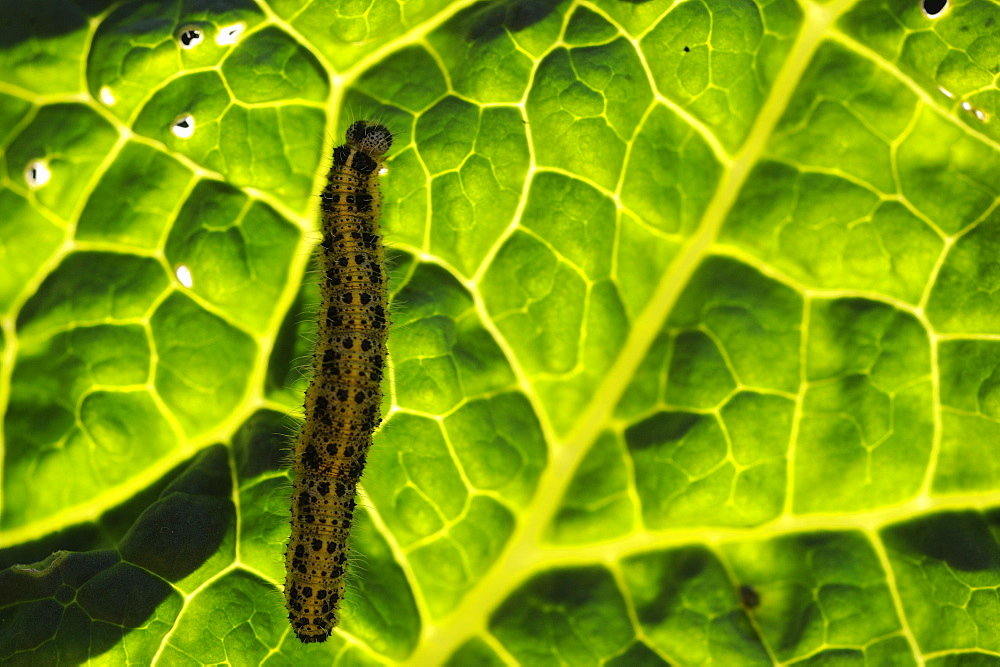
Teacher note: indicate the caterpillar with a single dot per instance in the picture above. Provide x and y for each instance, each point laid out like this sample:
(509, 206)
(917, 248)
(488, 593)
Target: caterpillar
(343, 400)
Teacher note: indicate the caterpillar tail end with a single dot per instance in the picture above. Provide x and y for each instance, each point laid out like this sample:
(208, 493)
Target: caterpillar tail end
(309, 633)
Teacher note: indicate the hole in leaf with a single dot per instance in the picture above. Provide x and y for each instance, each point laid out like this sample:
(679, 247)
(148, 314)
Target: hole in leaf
(183, 274)
(37, 174)
(184, 126)
(933, 8)
(107, 96)
(190, 37)
(687, 49)
(229, 34)
(975, 111)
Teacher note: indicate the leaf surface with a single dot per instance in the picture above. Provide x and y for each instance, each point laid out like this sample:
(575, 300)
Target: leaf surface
(694, 346)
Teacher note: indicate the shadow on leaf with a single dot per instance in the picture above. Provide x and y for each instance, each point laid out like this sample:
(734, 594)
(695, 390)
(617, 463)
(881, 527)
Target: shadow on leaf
(72, 606)
(965, 541)
(487, 20)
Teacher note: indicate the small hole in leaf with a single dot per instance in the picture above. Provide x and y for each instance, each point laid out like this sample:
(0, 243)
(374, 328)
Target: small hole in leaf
(184, 126)
(229, 34)
(687, 49)
(37, 174)
(107, 96)
(947, 93)
(975, 111)
(933, 8)
(183, 274)
(190, 37)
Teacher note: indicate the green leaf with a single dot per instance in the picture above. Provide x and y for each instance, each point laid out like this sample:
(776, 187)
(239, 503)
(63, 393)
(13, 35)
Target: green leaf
(694, 347)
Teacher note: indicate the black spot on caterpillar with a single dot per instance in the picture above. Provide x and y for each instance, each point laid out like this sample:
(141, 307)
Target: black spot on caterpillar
(343, 400)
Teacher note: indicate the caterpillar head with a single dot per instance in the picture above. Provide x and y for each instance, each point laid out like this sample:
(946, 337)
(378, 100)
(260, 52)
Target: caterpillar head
(372, 138)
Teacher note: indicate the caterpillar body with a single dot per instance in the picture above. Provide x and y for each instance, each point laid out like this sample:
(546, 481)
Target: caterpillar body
(343, 400)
